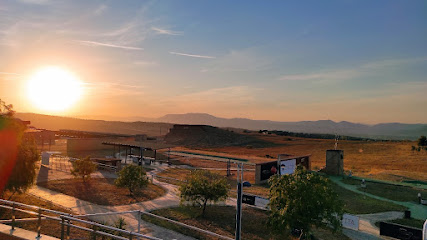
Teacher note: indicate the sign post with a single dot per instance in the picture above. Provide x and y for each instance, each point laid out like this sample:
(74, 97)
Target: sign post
(239, 201)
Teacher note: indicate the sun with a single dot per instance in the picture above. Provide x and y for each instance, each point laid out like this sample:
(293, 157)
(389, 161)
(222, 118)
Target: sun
(54, 89)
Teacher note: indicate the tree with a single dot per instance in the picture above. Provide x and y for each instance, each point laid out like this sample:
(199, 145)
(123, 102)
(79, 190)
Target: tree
(24, 171)
(422, 141)
(132, 177)
(303, 199)
(83, 168)
(18, 153)
(203, 186)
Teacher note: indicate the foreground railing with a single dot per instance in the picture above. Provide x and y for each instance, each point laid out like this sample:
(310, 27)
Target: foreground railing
(65, 219)
(68, 221)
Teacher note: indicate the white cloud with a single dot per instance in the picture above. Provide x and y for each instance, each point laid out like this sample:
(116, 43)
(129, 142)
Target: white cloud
(101, 9)
(250, 59)
(339, 74)
(8, 73)
(342, 74)
(115, 89)
(394, 62)
(38, 2)
(93, 43)
(191, 55)
(145, 63)
(166, 31)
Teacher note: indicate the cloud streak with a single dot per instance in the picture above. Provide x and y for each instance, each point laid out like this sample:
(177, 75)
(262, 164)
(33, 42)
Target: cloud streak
(166, 31)
(8, 73)
(339, 74)
(93, 43)
(192, 55)
(351, 72)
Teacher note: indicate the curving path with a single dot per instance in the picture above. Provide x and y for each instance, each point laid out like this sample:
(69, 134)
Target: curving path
(418, 211)
(80, 207)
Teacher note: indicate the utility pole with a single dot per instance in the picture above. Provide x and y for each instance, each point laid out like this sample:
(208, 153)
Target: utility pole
(239, 201)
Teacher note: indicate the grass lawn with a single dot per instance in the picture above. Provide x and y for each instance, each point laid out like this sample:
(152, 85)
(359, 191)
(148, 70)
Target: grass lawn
(355, 203)
(416, 223)
(389, 191)
(221, 220)
(48, 227)
(102, 191)
(409, 222)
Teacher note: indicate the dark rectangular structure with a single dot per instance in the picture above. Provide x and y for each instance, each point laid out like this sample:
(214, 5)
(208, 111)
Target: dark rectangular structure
(248, 199)
(263, 171)
(399, 231)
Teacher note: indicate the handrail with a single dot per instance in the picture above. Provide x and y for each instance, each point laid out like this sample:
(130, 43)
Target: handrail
(66, 218)
(188, 226)
(32, 206)
(109, 227)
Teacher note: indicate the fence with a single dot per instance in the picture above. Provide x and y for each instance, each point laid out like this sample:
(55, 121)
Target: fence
(68, 221)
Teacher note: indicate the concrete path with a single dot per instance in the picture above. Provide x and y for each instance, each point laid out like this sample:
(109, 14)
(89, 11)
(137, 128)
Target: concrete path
(22, 233)
(80, 207)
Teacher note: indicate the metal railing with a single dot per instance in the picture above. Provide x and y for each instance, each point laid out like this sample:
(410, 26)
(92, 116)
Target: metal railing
(107, 167)
(68, 221)
(65, 219)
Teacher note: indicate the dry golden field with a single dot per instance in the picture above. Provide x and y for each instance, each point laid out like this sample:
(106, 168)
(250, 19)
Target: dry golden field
(393, 161)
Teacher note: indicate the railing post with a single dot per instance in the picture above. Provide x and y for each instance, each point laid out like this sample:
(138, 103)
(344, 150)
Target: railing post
(13, 217)
(39, 223)
(68, 229)
(139, 221)
(130, 236)
(94, 231)
(62, 227)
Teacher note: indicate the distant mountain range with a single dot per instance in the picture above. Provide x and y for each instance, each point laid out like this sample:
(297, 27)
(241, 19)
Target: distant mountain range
(382, 130)
(157, 126)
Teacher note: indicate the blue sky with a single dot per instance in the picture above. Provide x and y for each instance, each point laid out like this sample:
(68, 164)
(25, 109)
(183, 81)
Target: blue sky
(360, 61)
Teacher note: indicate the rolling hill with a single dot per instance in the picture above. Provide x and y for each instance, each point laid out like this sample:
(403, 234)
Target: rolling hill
(161, 126)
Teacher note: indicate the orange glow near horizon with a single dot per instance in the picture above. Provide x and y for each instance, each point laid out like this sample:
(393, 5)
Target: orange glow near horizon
(54, 89)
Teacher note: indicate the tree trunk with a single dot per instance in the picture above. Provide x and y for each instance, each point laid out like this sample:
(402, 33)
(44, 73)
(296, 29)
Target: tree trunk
(204, 207)
(10, 197)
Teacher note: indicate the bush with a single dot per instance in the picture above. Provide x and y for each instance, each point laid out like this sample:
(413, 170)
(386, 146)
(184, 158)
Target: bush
(203, 186)
(83, 168)
(303, 199)
(132, 177)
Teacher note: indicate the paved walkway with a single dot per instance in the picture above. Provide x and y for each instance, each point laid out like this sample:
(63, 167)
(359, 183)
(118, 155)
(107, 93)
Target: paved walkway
(80, 207)
(21, 233)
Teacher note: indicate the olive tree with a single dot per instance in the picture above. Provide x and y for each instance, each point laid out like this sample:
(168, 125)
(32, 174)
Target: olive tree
(132, 177)
(83, 168)
(302, 200)
(422, 141)
(18, 153)
(202, 186)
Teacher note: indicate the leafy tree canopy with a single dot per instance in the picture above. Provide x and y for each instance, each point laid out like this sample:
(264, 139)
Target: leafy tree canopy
(203, 186)
(83, 168)
(132, 177)
(422, 141)
(18, 154)
(302, 200)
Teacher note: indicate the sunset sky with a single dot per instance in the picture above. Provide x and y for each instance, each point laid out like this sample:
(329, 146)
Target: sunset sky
(359, 61)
